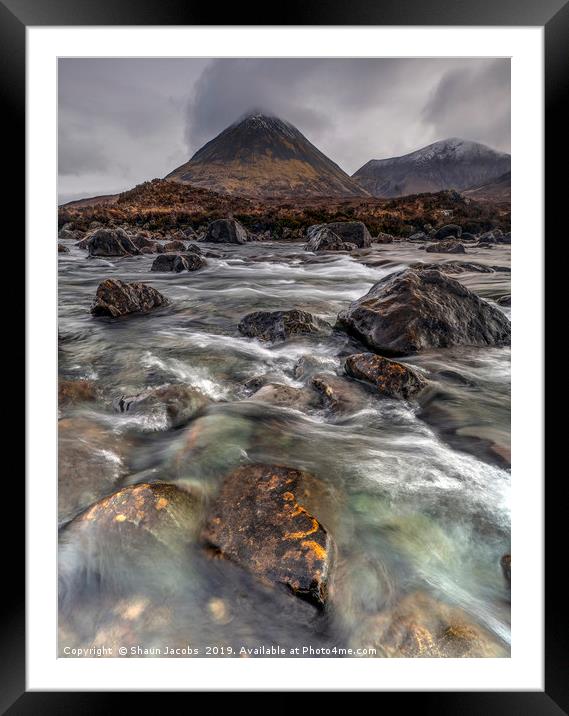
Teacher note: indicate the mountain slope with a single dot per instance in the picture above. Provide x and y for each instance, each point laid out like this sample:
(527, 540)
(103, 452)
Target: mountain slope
(497, 190)
(448, 164)
(265, 157)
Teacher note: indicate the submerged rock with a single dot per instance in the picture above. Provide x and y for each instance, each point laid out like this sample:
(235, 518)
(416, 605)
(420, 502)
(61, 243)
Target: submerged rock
(446, 247)
(75, 391)
(409, 311)
(115, 298)
(178, 262)
(391, 379)
(226, 231)
(280, 325)
(446, 231)
(286, 396)
(111, 242)
(339, 394)
(259, 522)
(308, 364)
(177, 403)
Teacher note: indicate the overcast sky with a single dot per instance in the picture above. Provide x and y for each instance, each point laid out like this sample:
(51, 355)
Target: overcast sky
(123, 121)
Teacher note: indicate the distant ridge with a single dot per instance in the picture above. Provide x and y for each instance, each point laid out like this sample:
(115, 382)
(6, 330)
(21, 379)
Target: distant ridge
(263, 156)
(449, 164)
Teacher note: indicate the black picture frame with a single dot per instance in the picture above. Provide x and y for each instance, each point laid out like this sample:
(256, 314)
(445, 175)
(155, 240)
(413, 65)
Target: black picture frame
(553, 15)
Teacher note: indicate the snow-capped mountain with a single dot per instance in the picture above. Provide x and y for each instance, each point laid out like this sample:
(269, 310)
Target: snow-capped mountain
(264, 156)
(449, 164)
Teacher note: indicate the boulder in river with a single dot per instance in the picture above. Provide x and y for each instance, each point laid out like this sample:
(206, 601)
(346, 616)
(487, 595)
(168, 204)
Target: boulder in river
(173, 405)
(259, 521)
(446, 231)
(111, 242)
(286, 396)
(383, 238)
(419, 236)
(353, 232)
(176, 245)
(226, 231)
(178, 262)
(409, 311)
(339, 394)
(450, 246)
(146, 245)
(280, 325)
(116, 298)
(391, 379)
(324, 239)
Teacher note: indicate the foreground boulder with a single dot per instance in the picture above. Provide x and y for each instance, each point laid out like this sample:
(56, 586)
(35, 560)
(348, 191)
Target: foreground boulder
(178, 262)
(391, 379)
(446, 231)
(111, 242)
(324, 239)
(350, 232)
(259, 522)
(409, 311)
(446, 247)
(116, 298)
(279, 325)
(226, 231)
(168, 406)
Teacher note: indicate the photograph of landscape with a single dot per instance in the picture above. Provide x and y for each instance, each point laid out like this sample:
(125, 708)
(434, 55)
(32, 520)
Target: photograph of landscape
(284, 357)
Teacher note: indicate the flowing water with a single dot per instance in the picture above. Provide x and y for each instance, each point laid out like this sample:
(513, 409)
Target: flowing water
(417, 494)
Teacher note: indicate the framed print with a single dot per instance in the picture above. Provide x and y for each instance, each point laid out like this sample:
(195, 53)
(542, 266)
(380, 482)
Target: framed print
(285, 371)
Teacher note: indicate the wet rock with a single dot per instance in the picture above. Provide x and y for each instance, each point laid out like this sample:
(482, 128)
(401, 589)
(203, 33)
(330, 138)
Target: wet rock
(419, 236)
(111, 242)
(353, 232)
(446, 247)
(487, 238)
(226, 231)
(466, 236)
(419, 626)
(391, 379)
(178, 262)
(177, 245)
(259, 521)
(340, 395)
(91, 461)
(446, 231)
(506, 564)
(145, 244)
(504, 300)
(383, 238)
(137, 526)
(308, 364)
(286, 396)
(280, 325)
(194, 248)
(168, 405)
(409, 311)
(115, 298)
(325, 240)
(61, 249)
(453, 267)
(76, 391)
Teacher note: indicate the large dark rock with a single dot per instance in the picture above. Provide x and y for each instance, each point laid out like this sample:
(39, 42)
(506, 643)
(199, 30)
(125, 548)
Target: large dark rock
(259, 521)
(324, 239)
(409, 311)
(166, 406)
(115, 298)
(391, 379)
(226, 231)
(111, 242)
(279, 325)
(447, 230)
(178, 262)
(450, 246)
(353, 232)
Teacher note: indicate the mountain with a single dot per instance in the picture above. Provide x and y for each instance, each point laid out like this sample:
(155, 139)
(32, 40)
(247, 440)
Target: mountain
(265, 157)
(448, 164)
(497, 190)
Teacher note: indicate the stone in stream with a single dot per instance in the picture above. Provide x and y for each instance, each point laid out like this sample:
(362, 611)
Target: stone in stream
(383, 238)
(409, 311)
(178, 262)
(176, 245)
(453, 267)
(91, 461)
(115, 298)
(419, 236)
(506, 564)
(324, 239)
(76, 391)
(226, 231)
(286, 396)
(280, 325)
(258, 521)
(111, 242)
(391, 379)
(350, 232)
(177, 403)
(309, 364)
(142, 242)
(61, 249)
(136, 527)
(340, 395)
(504, 300)
(446, 231)
(450, 246)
